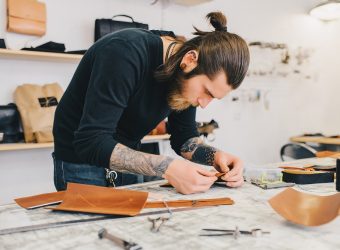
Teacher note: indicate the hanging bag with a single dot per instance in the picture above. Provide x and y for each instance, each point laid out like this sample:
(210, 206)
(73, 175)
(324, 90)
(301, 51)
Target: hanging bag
(106, 26)
(26, 17)
(10, 127)
(36, 105)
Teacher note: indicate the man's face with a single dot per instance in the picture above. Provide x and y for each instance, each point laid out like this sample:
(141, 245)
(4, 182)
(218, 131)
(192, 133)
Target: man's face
(199, 91)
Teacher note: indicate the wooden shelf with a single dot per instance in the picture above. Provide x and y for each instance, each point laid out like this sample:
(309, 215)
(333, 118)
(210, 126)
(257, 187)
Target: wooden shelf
(38, 55)
(316, 139)
(23, 146)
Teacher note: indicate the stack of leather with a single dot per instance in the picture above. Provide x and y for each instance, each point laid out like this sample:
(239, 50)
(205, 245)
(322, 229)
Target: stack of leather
(104, 200)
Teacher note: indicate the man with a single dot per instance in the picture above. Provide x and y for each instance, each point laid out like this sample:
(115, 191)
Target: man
(127, 83)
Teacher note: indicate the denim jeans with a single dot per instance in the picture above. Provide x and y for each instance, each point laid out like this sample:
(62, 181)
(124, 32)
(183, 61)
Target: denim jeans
(92, 175)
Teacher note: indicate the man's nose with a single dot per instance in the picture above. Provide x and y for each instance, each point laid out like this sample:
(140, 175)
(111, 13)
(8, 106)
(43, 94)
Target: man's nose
(203, 102)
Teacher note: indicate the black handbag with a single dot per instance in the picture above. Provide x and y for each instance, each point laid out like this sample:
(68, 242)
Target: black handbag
(106, 26)
(10, 126)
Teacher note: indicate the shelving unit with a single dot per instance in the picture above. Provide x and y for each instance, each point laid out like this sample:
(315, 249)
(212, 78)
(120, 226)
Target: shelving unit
(38, 55)
(23, 146)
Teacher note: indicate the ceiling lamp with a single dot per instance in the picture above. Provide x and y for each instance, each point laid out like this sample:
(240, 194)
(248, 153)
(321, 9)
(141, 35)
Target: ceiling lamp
(327, 11)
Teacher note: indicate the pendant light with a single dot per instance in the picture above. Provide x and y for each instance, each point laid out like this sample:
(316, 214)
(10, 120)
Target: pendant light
(327, 11)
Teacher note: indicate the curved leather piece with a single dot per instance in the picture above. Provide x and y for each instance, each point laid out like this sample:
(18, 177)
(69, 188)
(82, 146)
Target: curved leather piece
(306, 209)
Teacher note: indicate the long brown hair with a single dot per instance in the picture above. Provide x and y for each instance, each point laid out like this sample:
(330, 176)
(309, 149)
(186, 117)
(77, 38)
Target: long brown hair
(218, 50)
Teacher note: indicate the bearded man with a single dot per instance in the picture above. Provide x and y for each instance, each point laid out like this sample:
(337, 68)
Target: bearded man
(128, 82)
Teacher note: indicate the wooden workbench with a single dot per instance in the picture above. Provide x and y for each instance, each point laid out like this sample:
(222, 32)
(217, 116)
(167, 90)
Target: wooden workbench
(251, 210)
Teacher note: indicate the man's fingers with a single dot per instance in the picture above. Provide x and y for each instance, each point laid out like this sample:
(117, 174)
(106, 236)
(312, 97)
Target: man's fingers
(206, 173)
(224, 168)
(235, 183)
(233, 178)
(234, 171)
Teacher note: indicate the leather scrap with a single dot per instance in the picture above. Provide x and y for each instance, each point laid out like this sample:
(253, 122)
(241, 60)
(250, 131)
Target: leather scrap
(306, 209)
(190, 203)
(40, 200)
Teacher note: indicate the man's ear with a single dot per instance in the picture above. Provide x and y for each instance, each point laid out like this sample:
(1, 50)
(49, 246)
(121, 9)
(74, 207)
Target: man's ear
(189, 61)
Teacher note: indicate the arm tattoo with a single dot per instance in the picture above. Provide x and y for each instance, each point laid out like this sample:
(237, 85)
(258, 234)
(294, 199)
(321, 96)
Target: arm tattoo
(195, 150)
(124, 159)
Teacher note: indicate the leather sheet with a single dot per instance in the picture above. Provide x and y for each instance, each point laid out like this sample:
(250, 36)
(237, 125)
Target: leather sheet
(102, 200)
(306, 209)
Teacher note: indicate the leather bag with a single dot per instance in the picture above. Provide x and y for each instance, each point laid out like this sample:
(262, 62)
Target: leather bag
(106, 26)
(26, 17)
(37, 105)
(10, 127)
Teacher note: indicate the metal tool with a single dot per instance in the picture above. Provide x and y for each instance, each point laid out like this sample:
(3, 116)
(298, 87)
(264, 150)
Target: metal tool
(102, 233)
(79, 221)
(256, 232)
(160, 220)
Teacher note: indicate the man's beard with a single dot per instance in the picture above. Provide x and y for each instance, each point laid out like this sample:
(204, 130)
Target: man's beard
(176, 100)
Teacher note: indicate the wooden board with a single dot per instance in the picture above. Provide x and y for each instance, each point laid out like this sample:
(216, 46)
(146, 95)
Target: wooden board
(37, 54)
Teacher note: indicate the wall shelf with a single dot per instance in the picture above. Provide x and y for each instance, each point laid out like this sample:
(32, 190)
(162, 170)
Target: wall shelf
(23, 146)
(26, 54)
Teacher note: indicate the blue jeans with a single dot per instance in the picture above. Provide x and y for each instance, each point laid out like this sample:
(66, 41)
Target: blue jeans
(92, 175)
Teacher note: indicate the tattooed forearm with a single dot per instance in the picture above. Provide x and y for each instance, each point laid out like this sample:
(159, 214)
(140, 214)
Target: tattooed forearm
(195, 150)
(204, 154)
(191, 145)
(124, 159)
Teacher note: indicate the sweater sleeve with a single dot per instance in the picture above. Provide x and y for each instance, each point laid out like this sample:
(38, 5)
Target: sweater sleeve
(114, 77)
(182, 127)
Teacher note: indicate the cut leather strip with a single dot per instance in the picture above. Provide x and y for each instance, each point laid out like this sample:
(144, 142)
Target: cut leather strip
(190, 203)
(306, 209)
(218, 175)
(40, 200)
(102, 200)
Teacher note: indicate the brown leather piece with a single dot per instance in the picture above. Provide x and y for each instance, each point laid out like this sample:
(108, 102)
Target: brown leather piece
(306, 209)
(40, 200)
(218, 175)
(26, 17)
(190, 203)
(102, 200)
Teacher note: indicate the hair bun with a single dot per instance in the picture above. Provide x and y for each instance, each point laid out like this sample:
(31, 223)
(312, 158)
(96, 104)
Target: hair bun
(218, 20)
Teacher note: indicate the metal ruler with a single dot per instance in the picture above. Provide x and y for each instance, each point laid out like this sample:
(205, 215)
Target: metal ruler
(79, 221)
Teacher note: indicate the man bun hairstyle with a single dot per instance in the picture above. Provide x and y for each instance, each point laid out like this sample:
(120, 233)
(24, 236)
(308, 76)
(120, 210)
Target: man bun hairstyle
(218, 50)
(217, 20)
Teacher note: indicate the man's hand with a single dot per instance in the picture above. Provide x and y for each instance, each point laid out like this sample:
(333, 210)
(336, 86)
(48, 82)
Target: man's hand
(188, 177)
(232, 166)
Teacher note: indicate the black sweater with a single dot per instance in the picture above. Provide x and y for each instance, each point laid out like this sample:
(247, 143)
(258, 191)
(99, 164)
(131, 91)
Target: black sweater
(114, 98)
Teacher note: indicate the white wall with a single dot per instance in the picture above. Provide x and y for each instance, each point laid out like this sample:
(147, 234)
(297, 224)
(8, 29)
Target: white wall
(296, 105)
(250, 130)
